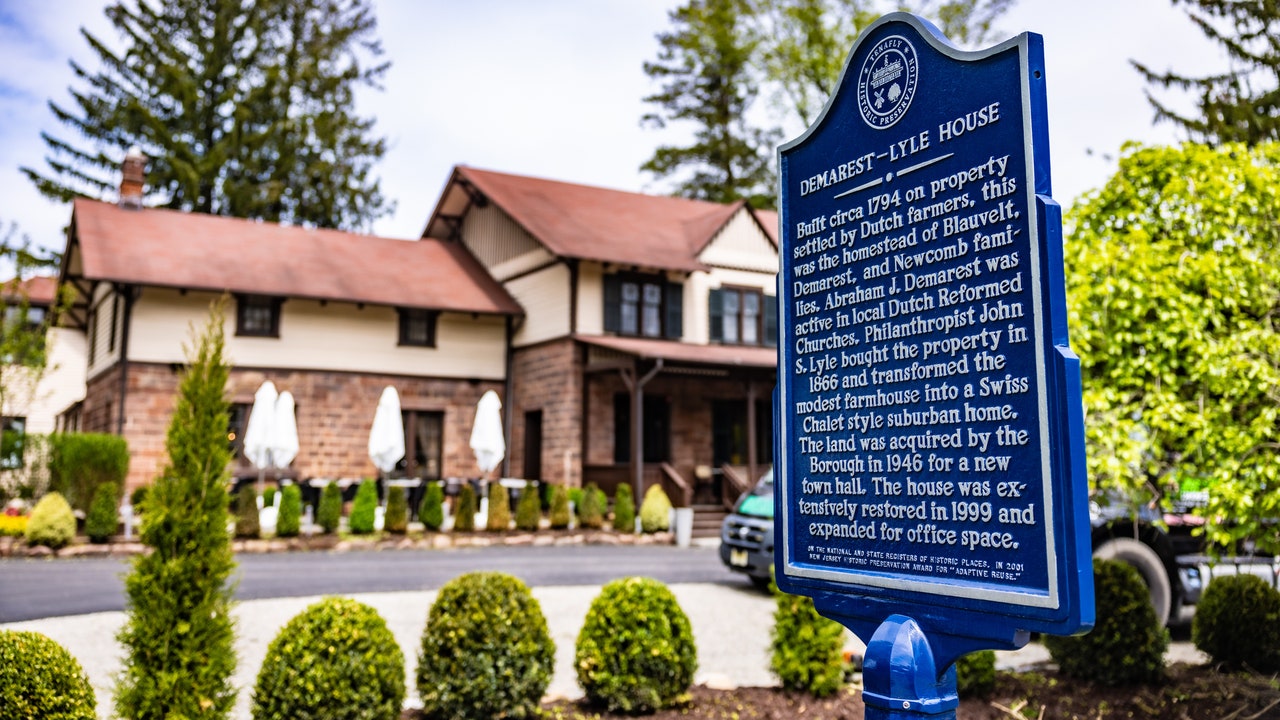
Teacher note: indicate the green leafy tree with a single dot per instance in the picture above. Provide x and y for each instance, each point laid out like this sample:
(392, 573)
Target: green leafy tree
(243, 108)
(704, 67)
(1173, 287)
(1242, 103)
(178, 636)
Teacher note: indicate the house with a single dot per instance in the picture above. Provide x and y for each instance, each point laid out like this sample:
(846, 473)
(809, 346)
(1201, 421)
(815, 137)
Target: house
(332, 317)
(629, 336)
(646, 349)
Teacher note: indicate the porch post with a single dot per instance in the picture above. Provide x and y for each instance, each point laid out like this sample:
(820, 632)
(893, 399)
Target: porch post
(751, 433)
(636, 386)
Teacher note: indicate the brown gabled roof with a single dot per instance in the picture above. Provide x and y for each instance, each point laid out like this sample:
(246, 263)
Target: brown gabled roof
(768, 220)
(38, 290)
(649, 349)
(590, 223)
(168, 248)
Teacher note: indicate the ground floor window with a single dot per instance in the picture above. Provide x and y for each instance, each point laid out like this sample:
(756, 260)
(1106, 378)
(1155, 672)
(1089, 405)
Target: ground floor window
(657, 428)
(729, 432)
(423, 444)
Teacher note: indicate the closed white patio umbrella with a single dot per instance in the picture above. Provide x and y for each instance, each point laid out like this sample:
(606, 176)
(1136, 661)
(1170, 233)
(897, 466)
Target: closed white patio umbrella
(486, 433)
(284, 432)
(386, 437)
(258, 433)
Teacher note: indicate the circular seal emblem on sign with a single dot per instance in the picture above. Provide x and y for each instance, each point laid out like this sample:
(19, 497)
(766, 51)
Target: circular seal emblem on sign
(887, 82)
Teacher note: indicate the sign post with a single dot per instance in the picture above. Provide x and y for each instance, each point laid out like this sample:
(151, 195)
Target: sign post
(932, 492)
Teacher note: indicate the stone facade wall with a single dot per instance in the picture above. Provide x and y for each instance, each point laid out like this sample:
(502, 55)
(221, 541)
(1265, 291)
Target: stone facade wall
(334, 412)
(548, 377)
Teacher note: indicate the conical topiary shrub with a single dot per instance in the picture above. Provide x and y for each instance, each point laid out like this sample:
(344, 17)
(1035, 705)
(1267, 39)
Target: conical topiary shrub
(247, 526)
(431, 511)
(289, 519)
(591, 511)
(464, 520)
(655, 511)
(397, 517)
(560, 515)
(51, 523)
(499, 518)
(364, 509)
(104, 516)
(329, 514)
(529, 510)
(624, 510)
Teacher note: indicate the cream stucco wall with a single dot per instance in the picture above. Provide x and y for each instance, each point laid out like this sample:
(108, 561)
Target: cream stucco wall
(41, 396)
(330, 336)
(544, 295)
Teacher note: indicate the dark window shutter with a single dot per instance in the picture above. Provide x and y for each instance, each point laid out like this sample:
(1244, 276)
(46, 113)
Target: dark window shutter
(612, 303)
(770, 321)
(715, 304)
(675, 310)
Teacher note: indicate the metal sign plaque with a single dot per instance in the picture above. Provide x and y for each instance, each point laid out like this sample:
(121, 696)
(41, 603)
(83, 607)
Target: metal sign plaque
(931, 457)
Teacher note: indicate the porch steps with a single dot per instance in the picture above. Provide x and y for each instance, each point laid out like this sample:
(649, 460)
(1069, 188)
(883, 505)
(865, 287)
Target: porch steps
(707, 520)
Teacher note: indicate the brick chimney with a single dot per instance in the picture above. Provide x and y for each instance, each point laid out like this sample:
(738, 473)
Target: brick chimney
(133, 178)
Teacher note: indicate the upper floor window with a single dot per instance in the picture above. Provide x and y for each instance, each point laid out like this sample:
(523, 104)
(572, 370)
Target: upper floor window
(418, 327)
(258, 315)
(643, 305)
(743, 316)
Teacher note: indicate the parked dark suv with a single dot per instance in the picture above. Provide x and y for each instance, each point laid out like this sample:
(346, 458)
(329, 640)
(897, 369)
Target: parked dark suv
(746, 537)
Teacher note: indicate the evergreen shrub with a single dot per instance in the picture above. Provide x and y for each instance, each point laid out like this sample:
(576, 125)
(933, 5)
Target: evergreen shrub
(397, 517)
(976, 674)
(499, 518)
(655, 511)
(335, 660)
(624, 510)
(104, 516)
(431, 510)
(138, 497)
(1237, 623)
(289, 519)
(329, 514)
(364, 509)
(464, 520)
(178, 636)
(40, 679)
(268, 496)
(806, 649)
(591, 511)
(529, 510)
(635, 652)
(1127, 644)
(247, 525)
(51, 522)
(486, 652)
(80, 462)
(575, 497)
(560, 515)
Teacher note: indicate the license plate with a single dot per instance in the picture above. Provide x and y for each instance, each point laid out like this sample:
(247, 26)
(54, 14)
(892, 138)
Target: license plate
(738, 558)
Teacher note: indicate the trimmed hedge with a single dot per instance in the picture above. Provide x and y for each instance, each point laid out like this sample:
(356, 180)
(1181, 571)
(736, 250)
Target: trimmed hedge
(807, 649)
(591, 510)
(335, 660)
(329, 514)
(289, 519)
(431, 511)
(635, 652)
(529, 510)
(51, 522)
(80, 462)
(464, 519)
(499, 517)
(40, 679)
(560, 513)
(364, 509)
(624, 510)
(247, 525)
(486, 652)
(1127, 644)
(104, 516)
(397, 517)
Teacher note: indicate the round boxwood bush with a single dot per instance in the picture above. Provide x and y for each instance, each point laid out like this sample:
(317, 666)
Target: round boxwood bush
(635, 652)
(40, 679)
(335, 660)
(103, 517)
(486, 652)
(976, 674)
(806, 649)
(1237, 623)
(51, 522)
(289, 520)
(655, 510)
(1127, 644)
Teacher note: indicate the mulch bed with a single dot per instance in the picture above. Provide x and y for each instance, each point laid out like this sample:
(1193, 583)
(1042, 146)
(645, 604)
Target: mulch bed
(1191, 692)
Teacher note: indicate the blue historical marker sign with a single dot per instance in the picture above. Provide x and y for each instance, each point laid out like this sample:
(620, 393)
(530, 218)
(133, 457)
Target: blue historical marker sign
(930, 429)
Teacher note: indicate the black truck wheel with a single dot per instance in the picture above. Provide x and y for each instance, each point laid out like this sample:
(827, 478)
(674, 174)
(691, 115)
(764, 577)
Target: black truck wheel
(1147, 563)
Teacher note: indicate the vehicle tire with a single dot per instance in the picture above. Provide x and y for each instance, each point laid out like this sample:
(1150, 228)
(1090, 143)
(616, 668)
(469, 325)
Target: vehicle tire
(1147, 563)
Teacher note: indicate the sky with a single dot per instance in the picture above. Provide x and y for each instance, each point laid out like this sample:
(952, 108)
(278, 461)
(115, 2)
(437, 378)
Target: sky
(555, 89)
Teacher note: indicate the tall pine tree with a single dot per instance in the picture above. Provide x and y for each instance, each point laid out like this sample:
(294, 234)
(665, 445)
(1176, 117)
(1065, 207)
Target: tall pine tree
(704, 67)
(244, 109)
(1241, 104)
(178, 637)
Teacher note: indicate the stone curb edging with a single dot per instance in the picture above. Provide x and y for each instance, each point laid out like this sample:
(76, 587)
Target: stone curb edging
(17, 548)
